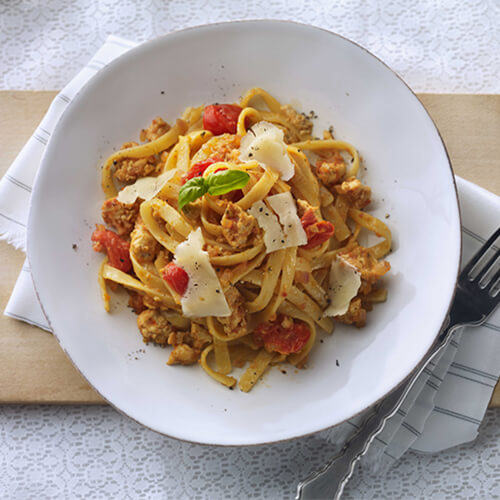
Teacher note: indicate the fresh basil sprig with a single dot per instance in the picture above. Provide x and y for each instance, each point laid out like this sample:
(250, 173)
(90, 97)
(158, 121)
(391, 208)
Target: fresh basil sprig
(193, 189)
(215, 184)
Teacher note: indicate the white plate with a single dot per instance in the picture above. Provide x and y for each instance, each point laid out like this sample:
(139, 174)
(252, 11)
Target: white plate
(407, 167)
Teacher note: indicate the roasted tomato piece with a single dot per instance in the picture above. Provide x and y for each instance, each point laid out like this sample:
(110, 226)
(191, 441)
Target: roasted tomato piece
(317, 231)
(199, 168)
(221, 118)
(176, 277)
(308, 218)
(283, 335)
(116, 248)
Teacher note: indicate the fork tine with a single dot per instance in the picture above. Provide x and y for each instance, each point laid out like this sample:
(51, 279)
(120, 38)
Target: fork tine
(494, 280)
(486, 267)
(467, 269)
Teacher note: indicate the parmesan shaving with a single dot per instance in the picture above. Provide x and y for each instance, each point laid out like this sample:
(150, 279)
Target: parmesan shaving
(284, 206)
(264, 144)
(274, 238)
(145, 188)
(204, 295)
(344, 283)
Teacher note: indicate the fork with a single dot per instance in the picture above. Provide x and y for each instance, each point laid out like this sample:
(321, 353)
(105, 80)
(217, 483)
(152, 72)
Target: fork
(476, 297)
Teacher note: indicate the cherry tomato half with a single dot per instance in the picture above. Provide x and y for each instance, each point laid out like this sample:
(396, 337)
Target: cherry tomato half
(308, 219)
(221, 118)
(198, 169)
(285, 340)
(116, 248)
(317, 231)
(176, 277)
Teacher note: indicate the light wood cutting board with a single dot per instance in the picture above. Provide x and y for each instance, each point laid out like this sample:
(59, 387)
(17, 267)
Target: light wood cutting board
(33, 368)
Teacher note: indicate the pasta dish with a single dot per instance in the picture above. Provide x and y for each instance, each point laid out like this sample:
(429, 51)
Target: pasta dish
(237, 235)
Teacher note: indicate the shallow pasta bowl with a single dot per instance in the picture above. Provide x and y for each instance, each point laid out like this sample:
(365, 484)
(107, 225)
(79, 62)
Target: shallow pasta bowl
(414, 192)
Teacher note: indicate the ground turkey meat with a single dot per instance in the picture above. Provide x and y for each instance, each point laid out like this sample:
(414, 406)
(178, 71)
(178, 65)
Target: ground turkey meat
(183, 354)
(201, 337)
(188, 345)
(302, 124)
(157, 128)
(154, 326)
(142, 244)
(356, 314)
(222, 148)
(130, 169)
(331, 170)
(236, 324)
(303, 206)
(120, 216)
(365, 288)
(136, 302)
(238, 227)
(198, 337)
(362, 259)
(357, 193)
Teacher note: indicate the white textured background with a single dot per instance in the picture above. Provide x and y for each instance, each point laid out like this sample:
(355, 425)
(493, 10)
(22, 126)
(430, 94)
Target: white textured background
(93, 452)
(451, 46)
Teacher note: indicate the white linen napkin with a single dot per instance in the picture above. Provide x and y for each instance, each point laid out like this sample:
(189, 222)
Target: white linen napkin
(448, 403)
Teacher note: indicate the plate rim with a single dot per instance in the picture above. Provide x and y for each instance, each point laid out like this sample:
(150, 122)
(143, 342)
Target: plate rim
(158, 40)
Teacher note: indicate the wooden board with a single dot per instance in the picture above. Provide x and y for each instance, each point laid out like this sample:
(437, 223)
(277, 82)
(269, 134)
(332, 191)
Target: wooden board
(33, 369)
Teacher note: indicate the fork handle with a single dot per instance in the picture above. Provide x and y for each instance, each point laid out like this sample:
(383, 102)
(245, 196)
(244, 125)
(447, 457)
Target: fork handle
(329, 482)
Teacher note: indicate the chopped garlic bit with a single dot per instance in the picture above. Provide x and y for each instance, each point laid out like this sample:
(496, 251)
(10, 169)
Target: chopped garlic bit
(264, 144)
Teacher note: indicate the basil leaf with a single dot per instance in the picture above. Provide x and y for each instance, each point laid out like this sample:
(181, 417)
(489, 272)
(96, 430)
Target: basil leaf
(226, 181)
(193, 189)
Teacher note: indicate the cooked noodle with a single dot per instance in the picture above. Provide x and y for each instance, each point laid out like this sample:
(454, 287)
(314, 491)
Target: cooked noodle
(277, 299)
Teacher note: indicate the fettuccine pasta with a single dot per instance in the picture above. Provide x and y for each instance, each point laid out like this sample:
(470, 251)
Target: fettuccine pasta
(237, 235)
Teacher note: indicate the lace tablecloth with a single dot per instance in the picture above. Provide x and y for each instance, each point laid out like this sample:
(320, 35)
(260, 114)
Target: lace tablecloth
(93, 452)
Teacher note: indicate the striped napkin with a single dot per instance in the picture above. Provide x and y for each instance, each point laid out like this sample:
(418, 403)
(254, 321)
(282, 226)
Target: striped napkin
(448, 403)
